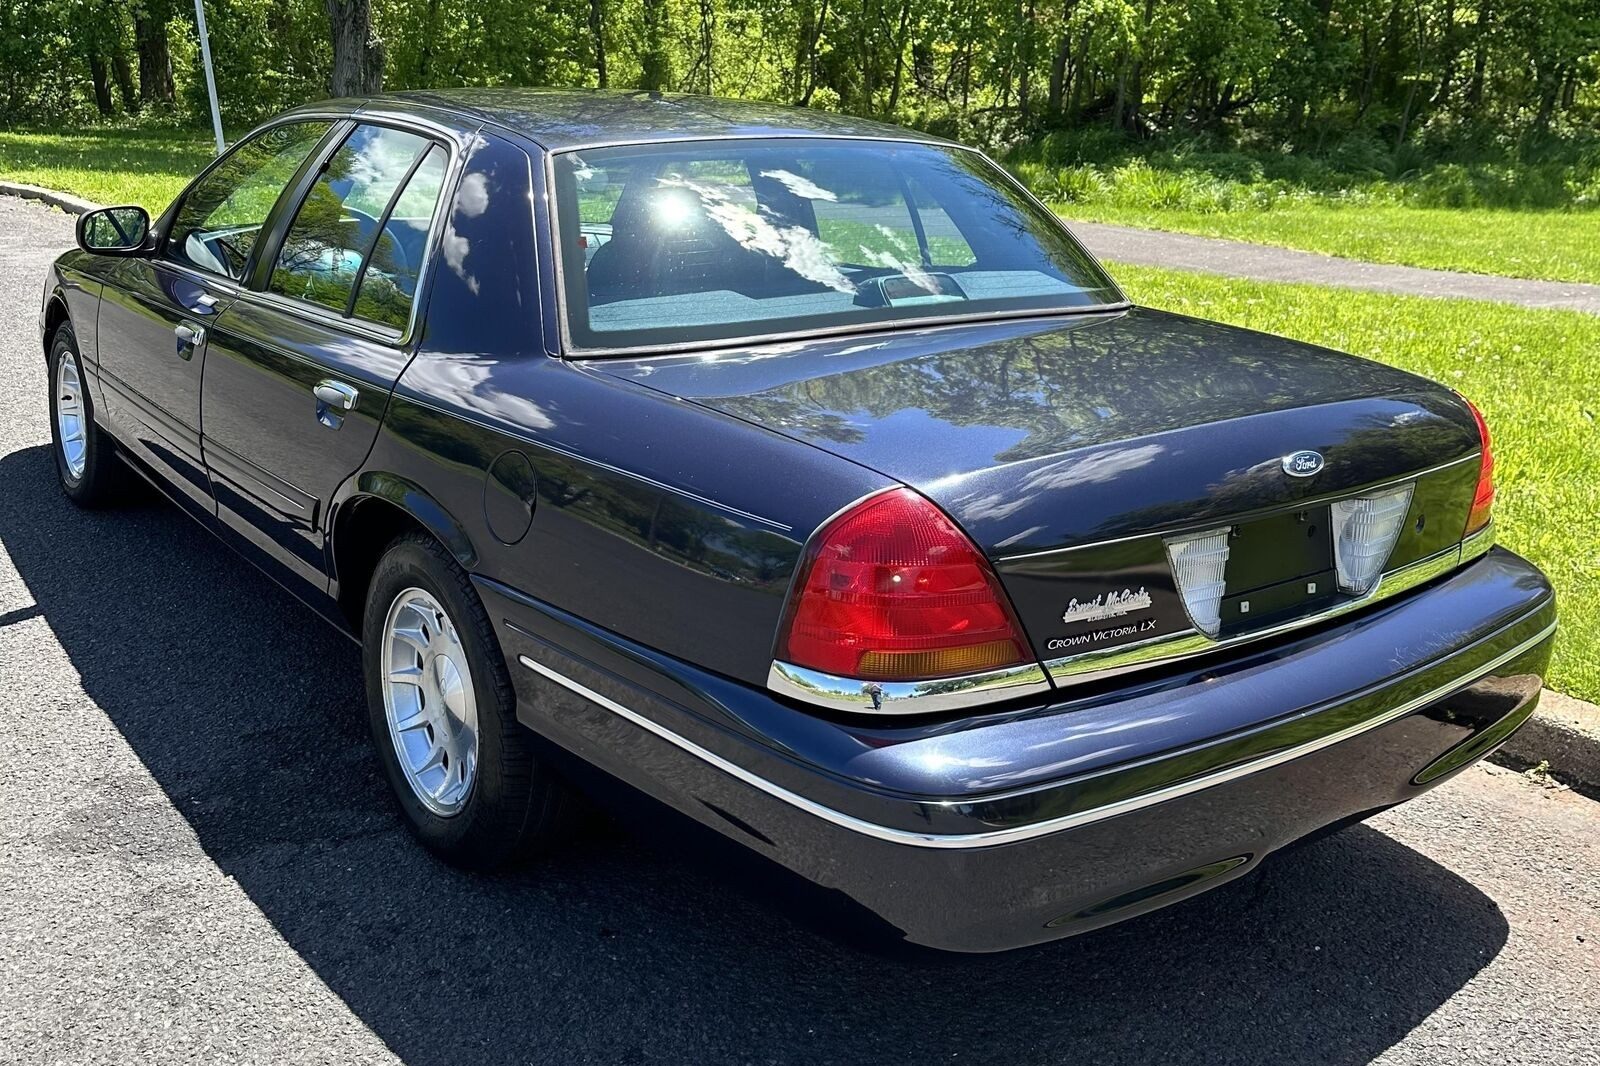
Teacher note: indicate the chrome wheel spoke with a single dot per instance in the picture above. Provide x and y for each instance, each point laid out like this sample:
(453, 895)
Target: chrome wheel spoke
(413, 637)
(407, 675)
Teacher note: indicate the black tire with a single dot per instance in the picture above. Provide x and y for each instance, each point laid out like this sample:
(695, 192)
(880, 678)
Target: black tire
(514, 805)
(103, 480)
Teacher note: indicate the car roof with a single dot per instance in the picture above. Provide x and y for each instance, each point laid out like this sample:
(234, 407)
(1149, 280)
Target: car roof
(559, 119)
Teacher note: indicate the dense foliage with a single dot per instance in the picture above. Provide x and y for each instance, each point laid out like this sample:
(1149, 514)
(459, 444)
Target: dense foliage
(1485, 76)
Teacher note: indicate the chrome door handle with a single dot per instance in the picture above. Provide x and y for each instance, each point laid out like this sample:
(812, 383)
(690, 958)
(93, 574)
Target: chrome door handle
(333, 399)
(189, 338)
(336, 394)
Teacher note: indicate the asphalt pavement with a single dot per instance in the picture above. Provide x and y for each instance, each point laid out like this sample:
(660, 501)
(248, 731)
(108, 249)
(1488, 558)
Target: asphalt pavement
(198, 863)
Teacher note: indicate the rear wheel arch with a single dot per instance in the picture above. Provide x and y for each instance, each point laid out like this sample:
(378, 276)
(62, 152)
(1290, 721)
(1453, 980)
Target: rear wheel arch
(378, 509)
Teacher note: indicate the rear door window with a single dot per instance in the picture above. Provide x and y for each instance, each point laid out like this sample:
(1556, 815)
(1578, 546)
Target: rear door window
(357, 242)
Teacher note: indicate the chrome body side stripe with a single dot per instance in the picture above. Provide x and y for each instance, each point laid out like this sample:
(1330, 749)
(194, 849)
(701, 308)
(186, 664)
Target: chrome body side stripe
(1014, 834)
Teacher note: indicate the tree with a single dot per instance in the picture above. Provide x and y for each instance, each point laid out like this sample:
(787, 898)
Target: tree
(597, 29)
(150, 18)
(357, 53)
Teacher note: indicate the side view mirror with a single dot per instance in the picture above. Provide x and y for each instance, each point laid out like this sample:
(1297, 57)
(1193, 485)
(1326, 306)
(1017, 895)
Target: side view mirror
(114, 231)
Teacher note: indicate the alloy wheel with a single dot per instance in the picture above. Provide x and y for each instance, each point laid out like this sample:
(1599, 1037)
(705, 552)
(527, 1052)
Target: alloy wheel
(429, 701)
(71, 417)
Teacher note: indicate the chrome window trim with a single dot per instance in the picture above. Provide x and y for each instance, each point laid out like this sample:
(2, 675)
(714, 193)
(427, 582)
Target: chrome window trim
(1174, 647)
(906, 697)
(570, 350)
(1032, 830)
(457, 141)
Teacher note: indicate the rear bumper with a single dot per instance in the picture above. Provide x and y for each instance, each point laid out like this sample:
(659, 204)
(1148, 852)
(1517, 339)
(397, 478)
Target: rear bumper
(1055, 816)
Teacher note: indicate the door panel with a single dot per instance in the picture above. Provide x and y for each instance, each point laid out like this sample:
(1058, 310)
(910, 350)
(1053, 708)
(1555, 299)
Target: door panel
(152, 327)
(275, 451)
(299, 375)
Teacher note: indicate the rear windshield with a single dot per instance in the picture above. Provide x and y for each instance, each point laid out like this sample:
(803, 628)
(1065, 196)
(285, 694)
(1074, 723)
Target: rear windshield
(697, 242)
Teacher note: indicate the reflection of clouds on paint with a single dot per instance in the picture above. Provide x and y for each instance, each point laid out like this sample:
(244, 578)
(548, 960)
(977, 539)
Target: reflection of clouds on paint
(464, 380)
(796, 247)
(1017, 538)
(801, 187)
(855, 349)
(995, 505)
(1094, 469)
(472, 200)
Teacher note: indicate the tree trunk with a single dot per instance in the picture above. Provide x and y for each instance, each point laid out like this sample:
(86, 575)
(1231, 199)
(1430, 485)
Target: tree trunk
(430, 31)
(899, 55)
(1480, 59)
(1058, 74)
(1452, 51)
(597, 31)
(808, 52)
(1549, 90)
(155, 55)
(122, 73)
(97, 75)
(708, 25)
(357, 54)
(655, 71)
(1026, 81)
(1075, 100)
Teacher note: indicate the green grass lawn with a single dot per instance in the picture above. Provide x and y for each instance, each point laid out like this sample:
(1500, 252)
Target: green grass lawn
(110, 166)
(1533, 373)
(1553, 245)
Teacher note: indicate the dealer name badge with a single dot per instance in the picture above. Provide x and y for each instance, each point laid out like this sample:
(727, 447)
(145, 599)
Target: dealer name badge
(1112, 604)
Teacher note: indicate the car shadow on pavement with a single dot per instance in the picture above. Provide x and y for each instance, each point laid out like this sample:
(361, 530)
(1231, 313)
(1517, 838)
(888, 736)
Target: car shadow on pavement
(247, 710)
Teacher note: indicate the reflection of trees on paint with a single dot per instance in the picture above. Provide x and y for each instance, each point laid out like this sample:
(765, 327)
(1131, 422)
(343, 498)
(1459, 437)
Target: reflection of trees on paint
(1072, 385)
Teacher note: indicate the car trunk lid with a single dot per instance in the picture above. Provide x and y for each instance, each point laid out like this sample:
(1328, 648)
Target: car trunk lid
(1073, 450)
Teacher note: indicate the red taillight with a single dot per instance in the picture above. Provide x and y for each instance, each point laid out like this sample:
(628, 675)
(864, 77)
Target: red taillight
(892, 591)
(1483, 498)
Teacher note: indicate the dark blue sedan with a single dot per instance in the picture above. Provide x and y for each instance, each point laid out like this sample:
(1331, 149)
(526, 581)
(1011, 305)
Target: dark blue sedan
(803, 481)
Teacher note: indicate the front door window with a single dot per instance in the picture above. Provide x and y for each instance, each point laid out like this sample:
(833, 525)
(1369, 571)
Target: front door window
(216, 226)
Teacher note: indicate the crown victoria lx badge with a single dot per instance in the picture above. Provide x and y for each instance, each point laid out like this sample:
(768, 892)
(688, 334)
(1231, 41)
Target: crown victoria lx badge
(1303, 463)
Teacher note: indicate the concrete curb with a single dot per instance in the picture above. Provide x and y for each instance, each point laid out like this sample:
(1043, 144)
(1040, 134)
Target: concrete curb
(1564, 732)
(72, 205)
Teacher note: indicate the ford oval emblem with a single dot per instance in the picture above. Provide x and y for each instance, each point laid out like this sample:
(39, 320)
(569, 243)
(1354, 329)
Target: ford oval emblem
(1302, 464)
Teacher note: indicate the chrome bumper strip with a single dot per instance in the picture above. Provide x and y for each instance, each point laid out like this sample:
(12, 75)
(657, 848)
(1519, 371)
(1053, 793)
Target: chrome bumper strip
(906, 697)
(1014, 834)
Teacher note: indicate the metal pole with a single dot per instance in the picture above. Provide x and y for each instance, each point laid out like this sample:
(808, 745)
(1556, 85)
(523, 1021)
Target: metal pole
(211, 78)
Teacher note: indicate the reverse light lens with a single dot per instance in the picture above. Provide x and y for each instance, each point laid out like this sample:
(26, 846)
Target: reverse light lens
(1199, 566)
(1365, 529)
(893, 591)
(1483, 497)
